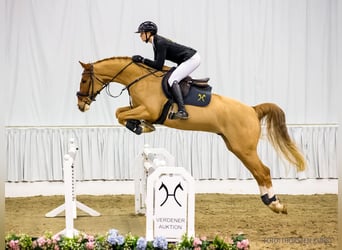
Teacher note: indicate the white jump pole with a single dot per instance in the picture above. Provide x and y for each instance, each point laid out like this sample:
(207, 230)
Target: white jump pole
(71, 204)
(145, 163)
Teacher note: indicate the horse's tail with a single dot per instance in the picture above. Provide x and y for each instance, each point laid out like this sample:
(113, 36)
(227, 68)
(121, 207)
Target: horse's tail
(278, 135)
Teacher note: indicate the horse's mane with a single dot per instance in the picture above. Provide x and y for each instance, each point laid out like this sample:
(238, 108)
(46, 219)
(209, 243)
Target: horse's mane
(165, 68)
(113, 58)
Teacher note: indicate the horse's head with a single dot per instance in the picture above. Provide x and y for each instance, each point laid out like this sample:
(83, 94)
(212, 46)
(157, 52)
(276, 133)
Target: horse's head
(98, 75)
(89, 87)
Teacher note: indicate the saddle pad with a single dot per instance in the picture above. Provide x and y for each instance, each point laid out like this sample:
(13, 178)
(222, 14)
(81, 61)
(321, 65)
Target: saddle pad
(198, 96)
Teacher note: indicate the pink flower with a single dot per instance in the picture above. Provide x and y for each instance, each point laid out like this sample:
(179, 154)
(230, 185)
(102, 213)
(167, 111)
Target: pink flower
(244, 244)
(197, 242)
(56, 238)
(90, 245)
(41, 241)
(90, 238)
(14, 244)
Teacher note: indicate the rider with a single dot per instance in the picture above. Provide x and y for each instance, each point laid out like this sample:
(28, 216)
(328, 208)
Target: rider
(186, 58)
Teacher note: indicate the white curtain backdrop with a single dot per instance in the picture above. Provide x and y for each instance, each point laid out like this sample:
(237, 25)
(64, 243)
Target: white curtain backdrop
(109, 153)
(255, 51)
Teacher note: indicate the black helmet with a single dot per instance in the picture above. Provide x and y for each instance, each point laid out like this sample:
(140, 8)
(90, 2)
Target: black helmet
(148, 26)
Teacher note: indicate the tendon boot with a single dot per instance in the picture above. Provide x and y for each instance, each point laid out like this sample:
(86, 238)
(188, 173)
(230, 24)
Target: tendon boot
(134, 126)
(177, 95)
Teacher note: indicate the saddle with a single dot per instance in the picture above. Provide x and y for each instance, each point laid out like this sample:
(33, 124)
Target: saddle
(196, 92)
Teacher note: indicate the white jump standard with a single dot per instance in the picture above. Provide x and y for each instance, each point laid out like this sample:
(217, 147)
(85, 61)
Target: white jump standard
(166, 194)
(71, 204)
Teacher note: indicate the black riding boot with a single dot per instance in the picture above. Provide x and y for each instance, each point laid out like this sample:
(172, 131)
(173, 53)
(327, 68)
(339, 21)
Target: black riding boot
(177, 94)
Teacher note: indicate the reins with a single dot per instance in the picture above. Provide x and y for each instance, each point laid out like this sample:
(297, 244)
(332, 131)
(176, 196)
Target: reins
(106, 84)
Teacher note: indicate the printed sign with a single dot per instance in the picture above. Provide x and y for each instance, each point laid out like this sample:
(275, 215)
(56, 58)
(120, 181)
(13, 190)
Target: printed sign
(170, 204)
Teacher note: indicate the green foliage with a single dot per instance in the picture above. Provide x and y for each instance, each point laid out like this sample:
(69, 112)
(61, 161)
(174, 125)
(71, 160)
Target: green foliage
(186, 242)
(114, 241)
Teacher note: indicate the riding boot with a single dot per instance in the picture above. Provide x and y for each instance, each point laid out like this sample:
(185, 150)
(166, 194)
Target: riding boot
(177, 94)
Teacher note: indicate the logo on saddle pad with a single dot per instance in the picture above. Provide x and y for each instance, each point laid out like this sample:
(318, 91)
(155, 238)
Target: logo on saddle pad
(196, 92)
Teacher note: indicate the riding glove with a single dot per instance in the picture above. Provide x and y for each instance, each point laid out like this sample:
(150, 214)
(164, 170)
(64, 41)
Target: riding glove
(138, 59)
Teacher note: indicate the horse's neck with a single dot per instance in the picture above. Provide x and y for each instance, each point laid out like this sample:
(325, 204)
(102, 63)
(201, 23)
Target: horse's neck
(145, 91)
(120, 70)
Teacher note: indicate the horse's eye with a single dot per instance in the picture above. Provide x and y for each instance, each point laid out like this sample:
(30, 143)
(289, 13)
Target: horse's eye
(83, 81)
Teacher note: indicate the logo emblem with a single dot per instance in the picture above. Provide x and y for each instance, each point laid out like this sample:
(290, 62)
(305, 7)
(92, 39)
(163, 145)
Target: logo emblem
(201, 97)
(179, 186)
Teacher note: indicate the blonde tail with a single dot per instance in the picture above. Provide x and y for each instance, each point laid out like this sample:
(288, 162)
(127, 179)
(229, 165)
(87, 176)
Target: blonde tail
(278, 135)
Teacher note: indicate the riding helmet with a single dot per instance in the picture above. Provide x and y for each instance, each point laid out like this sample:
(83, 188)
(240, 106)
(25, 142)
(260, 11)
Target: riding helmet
(148, 26)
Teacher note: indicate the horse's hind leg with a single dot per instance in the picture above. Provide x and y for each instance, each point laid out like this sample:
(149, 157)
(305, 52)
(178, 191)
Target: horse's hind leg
(263, 177)
(261, 173)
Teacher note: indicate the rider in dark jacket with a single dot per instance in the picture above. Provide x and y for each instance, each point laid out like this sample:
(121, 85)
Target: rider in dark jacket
(186, 58)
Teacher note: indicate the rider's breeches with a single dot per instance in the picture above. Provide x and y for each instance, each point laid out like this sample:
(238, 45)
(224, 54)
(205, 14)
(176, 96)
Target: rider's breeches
(184, 69)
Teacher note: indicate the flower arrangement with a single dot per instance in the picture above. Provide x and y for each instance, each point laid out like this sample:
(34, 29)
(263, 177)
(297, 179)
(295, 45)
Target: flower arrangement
(115, 241)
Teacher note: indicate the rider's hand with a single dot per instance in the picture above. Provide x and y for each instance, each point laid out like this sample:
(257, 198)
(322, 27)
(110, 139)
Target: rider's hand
(137, 59)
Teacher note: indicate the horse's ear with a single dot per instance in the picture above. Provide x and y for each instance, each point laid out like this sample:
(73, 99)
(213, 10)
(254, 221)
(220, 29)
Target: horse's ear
(83, 64)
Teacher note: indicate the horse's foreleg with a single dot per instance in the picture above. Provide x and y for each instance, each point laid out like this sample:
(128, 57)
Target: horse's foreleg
(139, 113)
(119, 111)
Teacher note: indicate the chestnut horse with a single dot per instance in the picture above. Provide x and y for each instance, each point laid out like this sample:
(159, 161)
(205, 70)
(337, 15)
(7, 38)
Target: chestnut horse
(238, 124)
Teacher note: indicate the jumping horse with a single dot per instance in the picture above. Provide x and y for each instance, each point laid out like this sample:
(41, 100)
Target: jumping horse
(238, 124)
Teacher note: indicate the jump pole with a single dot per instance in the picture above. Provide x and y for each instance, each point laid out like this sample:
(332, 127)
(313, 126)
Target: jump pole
(70, 204)
(145, 163)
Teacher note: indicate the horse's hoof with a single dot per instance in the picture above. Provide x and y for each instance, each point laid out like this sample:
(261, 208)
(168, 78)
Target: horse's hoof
(148, 127)
(277, 207)
(284, 211)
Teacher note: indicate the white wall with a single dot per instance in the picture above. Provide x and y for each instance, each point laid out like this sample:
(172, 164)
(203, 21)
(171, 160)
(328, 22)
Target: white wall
(256, 51)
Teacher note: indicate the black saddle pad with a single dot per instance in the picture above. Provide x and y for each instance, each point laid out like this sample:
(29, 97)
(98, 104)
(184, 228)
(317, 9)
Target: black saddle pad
(193, 94)
(198, 96)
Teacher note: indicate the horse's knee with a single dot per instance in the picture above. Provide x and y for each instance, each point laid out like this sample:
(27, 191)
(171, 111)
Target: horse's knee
(120, 110)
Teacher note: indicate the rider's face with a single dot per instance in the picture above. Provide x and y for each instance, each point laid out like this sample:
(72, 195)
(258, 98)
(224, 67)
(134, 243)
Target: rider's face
(145, 36)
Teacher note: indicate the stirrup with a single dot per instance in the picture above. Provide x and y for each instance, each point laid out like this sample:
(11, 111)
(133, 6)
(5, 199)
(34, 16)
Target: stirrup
(181, 114)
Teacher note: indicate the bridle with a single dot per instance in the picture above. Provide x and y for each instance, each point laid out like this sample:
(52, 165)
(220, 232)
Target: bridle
(92, 94)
